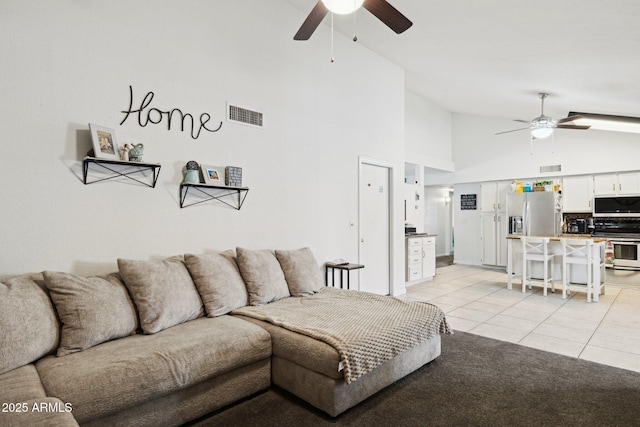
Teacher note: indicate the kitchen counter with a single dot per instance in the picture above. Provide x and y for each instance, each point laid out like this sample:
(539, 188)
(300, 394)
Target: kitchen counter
(407, 235)
(515, 263)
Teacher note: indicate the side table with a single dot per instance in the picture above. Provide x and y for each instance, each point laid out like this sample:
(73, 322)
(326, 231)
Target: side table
(342, 268)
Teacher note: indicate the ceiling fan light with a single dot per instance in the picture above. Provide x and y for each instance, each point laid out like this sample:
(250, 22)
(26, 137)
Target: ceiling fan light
(343, 7)
(541, 132)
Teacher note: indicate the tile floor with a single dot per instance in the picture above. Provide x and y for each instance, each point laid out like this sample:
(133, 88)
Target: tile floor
(476, 300)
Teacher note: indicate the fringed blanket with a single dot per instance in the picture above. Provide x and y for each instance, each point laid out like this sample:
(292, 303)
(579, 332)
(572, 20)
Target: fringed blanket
(366, 329)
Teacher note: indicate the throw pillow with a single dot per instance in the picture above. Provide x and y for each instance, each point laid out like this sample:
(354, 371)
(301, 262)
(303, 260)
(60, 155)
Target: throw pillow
(92, 310)
(218, 281)
(163, 292)
(263, 276)
(28, 325)
(301, 271)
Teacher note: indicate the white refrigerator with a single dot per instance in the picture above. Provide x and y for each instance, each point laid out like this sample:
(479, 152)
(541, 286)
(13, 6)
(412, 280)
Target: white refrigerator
(539, 211)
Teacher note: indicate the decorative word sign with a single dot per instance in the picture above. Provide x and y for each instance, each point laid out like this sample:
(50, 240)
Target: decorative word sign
(468, 202)
(156, 116)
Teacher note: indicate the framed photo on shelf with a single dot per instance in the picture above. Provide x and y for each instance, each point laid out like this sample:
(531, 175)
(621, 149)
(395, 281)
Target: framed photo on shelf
(104, 141)
(213, 175)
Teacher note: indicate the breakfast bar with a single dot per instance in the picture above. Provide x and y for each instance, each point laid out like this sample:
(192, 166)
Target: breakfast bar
(578, 276)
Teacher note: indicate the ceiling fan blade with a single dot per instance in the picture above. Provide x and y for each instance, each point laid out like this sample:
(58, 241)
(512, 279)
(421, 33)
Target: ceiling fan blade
(311, 23)
(388, 14)
(569, 119)
(523, 121)
(509, 131)
(579, 127)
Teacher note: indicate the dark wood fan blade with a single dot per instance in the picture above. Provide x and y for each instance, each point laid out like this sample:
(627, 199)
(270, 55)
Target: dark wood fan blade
(509, 131)
(311, 23)
(388, 14)
(569, 119)
(579, 127)
(523, 121)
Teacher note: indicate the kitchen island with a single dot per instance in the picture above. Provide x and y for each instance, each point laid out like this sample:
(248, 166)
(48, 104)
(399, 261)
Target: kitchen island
(577, 274)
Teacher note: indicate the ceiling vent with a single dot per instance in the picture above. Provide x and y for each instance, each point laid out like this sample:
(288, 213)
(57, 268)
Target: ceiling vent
(551, 168)
(244, 116)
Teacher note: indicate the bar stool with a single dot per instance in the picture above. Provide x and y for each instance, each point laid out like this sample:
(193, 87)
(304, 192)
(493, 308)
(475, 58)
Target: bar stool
(537, 249)
(577, 251)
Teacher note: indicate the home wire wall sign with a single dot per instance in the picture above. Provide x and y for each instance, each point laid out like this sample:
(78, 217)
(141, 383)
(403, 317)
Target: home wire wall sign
(155, 116)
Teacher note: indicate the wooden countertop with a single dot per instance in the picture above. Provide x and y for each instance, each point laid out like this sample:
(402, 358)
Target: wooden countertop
(568, 236)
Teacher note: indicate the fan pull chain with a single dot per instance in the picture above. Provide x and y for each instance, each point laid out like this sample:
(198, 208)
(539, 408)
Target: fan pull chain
(332, 59)
(355, 37)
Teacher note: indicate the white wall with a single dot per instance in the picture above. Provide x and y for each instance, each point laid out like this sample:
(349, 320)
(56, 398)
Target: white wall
(68, 63)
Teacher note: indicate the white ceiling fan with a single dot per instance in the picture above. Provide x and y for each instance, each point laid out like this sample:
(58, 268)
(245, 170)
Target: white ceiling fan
(542, 126)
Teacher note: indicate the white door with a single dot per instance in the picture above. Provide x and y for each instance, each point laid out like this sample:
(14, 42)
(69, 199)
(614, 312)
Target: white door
(374, 200)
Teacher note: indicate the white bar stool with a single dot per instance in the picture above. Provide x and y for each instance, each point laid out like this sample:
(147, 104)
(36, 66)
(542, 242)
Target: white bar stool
(536, 249)
(577, 251)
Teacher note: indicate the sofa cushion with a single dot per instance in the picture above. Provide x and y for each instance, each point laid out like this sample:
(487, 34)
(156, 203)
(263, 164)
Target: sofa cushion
(263, 276)
(163, 292)
(218, 281)
(92, 309)
(20, 384)
(301, 271)
(28, 322)
(127, 372)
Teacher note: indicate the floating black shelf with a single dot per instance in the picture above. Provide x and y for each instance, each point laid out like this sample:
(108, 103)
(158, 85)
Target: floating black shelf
(230, 196)
(129, 169)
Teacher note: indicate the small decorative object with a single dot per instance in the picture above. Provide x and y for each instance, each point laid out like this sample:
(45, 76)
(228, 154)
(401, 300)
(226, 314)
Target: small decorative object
(191, 172)
(213, 174)
(233, 176)
(135, 153)
(124, 153)
(104, 142)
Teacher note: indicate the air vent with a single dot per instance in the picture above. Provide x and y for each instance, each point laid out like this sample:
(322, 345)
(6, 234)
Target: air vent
(551, 168)
(244, 116)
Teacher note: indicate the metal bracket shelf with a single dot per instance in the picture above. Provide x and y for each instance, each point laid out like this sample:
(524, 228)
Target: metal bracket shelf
(114, 167)
(213, 192)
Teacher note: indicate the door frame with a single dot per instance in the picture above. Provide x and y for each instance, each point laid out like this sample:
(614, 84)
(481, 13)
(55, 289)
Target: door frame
(390, 229)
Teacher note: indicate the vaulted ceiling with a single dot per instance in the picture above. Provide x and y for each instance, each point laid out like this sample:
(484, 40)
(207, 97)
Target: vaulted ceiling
(492, 57)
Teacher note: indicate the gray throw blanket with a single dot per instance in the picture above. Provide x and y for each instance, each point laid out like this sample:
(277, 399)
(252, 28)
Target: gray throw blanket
(366, 329)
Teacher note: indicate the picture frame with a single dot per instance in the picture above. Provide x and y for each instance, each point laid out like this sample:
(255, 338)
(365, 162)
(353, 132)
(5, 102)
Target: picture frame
(213, 175)
(105, 144)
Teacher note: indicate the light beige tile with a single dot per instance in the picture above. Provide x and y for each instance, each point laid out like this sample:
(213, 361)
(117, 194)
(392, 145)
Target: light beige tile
(612, 342)
(460, 324)
(621, 331)
(498, 332)
(568, 333)
(552, 344)
(475, 315)
(511, 322)
(536, 315)
(606, 356)
(483, 306)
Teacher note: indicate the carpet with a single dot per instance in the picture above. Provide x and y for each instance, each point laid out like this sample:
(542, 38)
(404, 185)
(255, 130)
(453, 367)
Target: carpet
(476, 381)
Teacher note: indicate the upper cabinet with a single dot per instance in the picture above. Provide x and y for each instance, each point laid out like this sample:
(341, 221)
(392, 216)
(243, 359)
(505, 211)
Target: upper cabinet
(493, 196)
(577, 193)
(616, 184)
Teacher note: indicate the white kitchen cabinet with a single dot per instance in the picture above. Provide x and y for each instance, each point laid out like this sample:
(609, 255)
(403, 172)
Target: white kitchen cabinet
(577, 193)
(494, 222)
(623, 183)
(493, 196)
(494, 238)
(420, 258)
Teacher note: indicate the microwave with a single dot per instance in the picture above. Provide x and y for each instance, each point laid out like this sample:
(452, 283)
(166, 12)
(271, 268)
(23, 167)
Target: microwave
(616, 206)
(626, 254)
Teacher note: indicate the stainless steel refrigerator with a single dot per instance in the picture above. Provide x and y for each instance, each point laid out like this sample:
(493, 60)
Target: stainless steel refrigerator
(538, 212)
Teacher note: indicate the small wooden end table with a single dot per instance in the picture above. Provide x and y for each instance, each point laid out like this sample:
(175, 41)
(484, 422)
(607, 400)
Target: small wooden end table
(342, 268)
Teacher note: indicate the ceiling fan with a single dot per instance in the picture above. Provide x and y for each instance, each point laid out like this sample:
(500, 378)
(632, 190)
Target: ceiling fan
(381, 9)
(542, 126)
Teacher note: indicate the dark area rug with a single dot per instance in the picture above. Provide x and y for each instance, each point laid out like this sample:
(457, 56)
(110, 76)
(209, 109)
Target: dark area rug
(476, 381)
